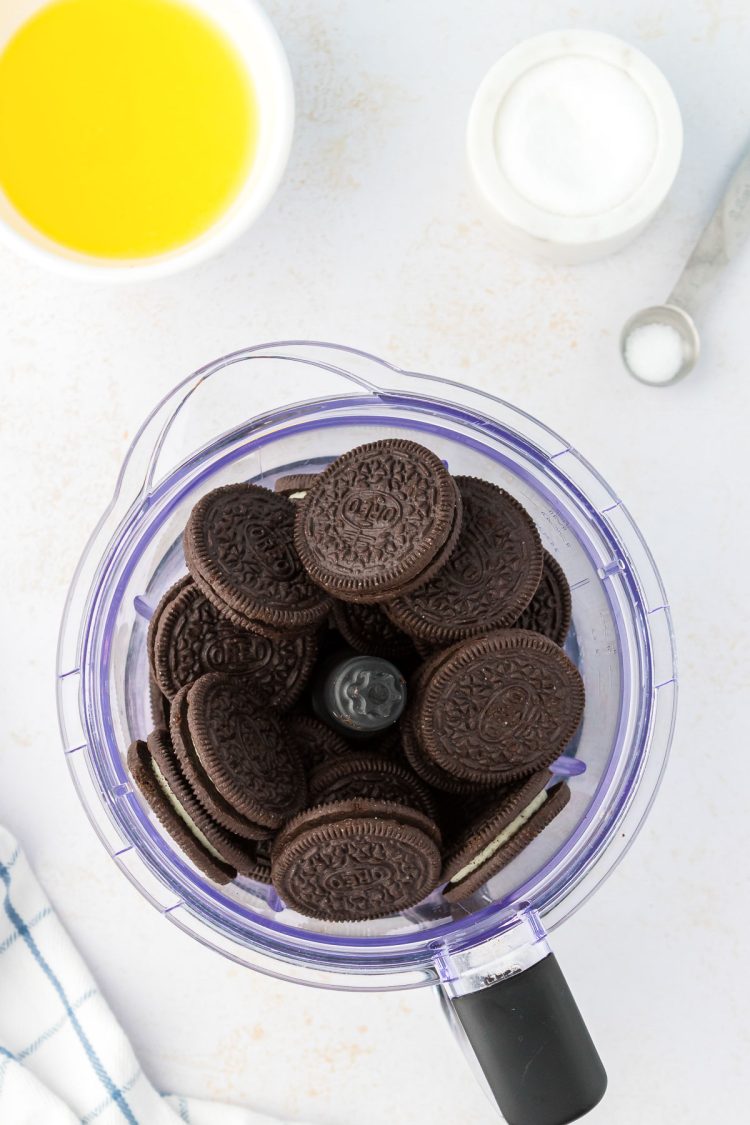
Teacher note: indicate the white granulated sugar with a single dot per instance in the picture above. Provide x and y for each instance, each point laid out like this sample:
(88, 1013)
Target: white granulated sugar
(654, 352)
(576, 136)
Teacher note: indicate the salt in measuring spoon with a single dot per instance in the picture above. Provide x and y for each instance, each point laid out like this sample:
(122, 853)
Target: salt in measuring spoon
(660, 345)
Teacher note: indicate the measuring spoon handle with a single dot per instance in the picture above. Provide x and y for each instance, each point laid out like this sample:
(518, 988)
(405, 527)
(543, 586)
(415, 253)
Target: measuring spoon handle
(727, 230)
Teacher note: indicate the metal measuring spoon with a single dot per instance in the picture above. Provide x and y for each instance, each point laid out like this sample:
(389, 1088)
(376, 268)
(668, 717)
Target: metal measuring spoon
(679, 340)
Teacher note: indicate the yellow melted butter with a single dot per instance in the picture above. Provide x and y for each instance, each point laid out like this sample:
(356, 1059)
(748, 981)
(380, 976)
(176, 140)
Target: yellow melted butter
(127, 127)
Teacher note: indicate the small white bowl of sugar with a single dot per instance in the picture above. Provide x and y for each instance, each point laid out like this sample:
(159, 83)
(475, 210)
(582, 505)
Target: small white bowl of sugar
(573, 141)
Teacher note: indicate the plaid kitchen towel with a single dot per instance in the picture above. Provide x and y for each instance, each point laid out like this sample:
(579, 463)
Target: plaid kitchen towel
(64, 1059)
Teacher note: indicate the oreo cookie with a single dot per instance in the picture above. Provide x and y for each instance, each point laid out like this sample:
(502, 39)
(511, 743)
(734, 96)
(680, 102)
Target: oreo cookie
(491, 575)
(158, 705)
(190, 637)
(356, 806)
(239, 549)
(141, 766)
(434, 567)
(370, 776)
(499, 707)
(356, 860)
(427, 770)
(549, 611)
(376, 520)
(499, 832)
(295, 485)
(425, 649)
(370, 632)
(248, 756)
(249, 857)
(201, 784)
(317, 743)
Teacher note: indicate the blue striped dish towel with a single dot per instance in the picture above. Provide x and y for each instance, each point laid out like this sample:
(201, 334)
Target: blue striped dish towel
(64, 1059)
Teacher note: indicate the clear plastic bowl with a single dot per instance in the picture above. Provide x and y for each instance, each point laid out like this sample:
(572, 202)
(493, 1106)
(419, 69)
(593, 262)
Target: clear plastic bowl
(320, 400)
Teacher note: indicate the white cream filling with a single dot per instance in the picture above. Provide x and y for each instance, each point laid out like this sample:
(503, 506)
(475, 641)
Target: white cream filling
(182, 814)
(505, 835)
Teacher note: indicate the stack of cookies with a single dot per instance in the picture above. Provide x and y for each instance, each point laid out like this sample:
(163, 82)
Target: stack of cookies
(437, 589)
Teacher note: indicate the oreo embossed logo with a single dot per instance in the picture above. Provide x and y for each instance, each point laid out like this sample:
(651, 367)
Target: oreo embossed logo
(371, 511)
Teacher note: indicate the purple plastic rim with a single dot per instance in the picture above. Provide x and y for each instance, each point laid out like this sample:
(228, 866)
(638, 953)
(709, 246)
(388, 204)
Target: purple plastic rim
(393, 952)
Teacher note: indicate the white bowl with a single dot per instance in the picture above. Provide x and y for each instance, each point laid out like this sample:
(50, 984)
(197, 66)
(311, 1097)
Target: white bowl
(527, 220)
(248, 27)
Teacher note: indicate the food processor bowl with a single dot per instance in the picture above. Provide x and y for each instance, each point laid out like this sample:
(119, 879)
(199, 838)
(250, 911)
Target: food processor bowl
(292, 407)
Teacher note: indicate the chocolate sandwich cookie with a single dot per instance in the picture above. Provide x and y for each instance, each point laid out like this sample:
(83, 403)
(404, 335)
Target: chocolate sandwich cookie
(550, 610)
(499, 833)
(425, 649)
(239, 549)
(246, 753)
(295, 485)
(206, 792)
(153, 623)
(355, 807)
(434, 567)
(141, 767)
(499, 707)
(158, 705)
(430, 664)
(191, 638)
(376, 519)
(244, 855)
(262, 870)
(352, 861)
(316, 742)
(370, 776)
(490, 577)
(369, 631)
(429, 771)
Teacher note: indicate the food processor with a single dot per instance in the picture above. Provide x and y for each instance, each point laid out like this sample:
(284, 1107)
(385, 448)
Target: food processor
(292, 407)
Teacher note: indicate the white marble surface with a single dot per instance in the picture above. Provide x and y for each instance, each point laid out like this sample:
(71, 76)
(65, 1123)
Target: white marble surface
(373, 240)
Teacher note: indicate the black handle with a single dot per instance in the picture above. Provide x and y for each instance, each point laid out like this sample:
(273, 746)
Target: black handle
(533, 1046)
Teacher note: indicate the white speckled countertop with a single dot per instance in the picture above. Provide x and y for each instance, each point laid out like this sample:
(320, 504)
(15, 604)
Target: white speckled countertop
(373, 240)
